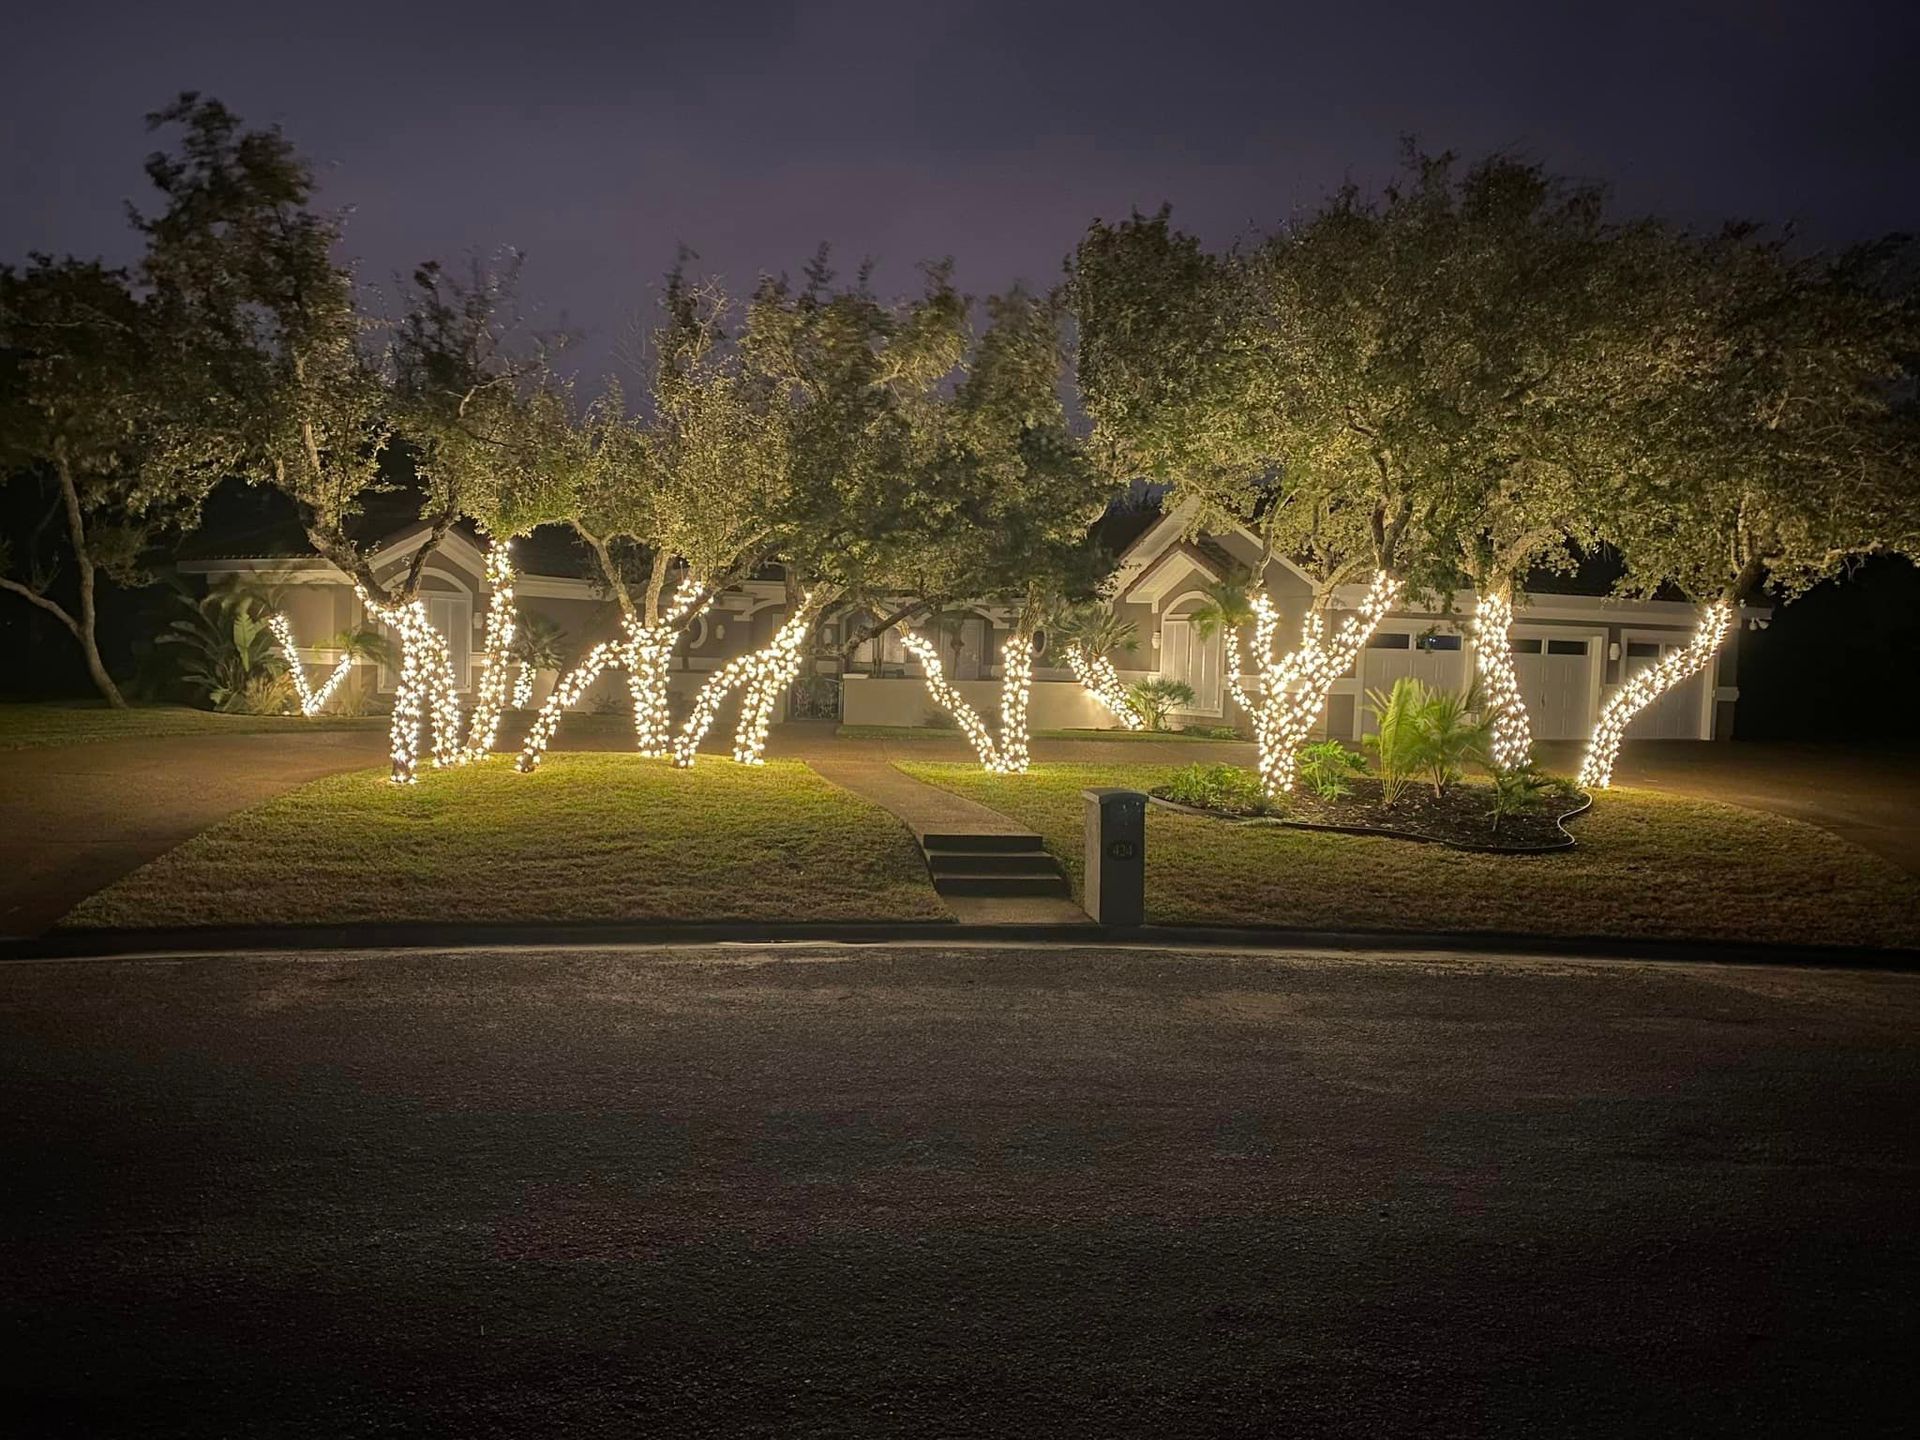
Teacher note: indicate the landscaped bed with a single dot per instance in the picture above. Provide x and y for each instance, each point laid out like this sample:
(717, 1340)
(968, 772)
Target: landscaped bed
(1647, 865)
(948, 732)
(586, 837)
(27, 726)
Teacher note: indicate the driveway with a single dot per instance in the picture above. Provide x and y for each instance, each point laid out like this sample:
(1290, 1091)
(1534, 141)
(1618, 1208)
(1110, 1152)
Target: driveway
(75, 818)
(835, 1192)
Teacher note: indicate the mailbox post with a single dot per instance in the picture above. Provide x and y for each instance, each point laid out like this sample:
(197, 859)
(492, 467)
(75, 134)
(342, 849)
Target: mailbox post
(1116, 878)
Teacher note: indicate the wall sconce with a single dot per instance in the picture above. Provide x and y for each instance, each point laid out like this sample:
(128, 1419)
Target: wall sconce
(719, 632)
(1613, 650)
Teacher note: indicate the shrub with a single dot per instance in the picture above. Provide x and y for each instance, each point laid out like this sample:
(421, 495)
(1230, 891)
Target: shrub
(537, 641)
(229, 651)
(1218, 787)
(1395, 747)
(1153, 699)
(1450, 735)
(1519, 790)
(1327, 768)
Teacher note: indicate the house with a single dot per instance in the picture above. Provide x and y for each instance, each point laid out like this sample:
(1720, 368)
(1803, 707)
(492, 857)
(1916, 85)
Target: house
(1570, 650)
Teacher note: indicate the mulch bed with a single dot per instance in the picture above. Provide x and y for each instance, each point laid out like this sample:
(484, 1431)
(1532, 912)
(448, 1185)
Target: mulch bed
(1458, 819)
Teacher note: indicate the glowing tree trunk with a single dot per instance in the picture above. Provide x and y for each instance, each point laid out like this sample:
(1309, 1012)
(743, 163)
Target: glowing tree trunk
(607, 655)
(1511, 742)
(311, 701)
(1293, 691)
(426, 689)
(1640, 691)
(522, 687)
(491, 701)
(1098, 678)
(648, 666)
(762, 675)
(1007, 756)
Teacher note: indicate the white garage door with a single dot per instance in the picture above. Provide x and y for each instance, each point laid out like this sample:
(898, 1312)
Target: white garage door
(1439, 662)
(1555, 675)
(1676, 714)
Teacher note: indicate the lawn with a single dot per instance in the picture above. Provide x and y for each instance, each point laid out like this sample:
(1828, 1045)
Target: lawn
(1647, 864)
(27, 726)
(586, 837)
(936, 732)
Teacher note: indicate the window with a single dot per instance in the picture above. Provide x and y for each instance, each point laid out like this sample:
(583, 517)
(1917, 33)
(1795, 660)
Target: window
(1566, 647)
(1643, 649)
(1524, 647)
(1440, 642)
(1391, 640)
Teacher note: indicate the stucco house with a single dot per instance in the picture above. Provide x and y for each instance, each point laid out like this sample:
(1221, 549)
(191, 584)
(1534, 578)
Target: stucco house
(1570, 650)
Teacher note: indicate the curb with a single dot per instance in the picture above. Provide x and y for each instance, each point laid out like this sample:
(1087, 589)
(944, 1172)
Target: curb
(101, 944)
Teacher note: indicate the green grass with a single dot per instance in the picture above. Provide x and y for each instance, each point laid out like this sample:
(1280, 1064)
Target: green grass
(28, 726)
(932, 732)
(586, 837)
(1647, 864)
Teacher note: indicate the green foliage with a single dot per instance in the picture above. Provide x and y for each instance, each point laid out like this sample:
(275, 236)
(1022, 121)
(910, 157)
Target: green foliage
(1518, 790)
(1094, 627)
(1327, 768)
(537, 640)
(1153, 699)
(1395, 746)
(229, 654)
(1228, 606)
(1217, 787)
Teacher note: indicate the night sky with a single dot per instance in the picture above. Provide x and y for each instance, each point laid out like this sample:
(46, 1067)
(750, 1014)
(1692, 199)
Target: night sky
(596, 138)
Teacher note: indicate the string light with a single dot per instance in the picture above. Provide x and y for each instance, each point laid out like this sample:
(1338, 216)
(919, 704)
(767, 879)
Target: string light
(1641, 690)
(1292, 691)
(764, 674)
(426, 687)
(311, 701)
(1009, 756)
(491, 699)
(1099, 679)
(645, 650)
(1511, 741)
(523, 686)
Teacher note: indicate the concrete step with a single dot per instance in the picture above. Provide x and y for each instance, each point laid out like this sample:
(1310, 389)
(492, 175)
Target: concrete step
(1052, 885)
(991, 862)
(976, 843)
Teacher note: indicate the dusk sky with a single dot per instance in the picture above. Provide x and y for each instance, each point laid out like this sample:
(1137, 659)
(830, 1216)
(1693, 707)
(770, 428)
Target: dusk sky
(596, 138)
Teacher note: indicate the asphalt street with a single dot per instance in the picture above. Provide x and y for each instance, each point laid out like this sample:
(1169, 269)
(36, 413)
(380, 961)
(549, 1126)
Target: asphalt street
(918, 1191)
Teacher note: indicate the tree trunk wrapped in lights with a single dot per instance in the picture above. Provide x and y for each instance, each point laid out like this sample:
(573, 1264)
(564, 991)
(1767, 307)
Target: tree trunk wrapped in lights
(1290, 693)
(1007, 756)
(763, 675)
(426, 688)
(1099, 679)
(1640, 691)
(1511, 741)
(312, 701)
(491, 701)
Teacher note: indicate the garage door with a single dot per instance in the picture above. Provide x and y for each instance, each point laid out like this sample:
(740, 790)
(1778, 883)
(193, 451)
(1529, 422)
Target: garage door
(1676, 714)
(1438, 661)
(1555, 675)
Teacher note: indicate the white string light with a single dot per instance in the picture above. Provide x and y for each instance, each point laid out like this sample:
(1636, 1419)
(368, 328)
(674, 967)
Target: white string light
(1099, 679)
(1009, 756)
(491, 700)
(522, 686)
(645, 651)
(763, 674)
(1511, 741)
(1641, 690)
(1292, 691)
(426, 688)
(311, 701)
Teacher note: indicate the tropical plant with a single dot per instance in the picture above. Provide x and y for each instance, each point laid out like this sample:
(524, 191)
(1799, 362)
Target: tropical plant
(1518, 790)
(1218, 787)
(1228, 606)
(1395, 745)
(1450, 734)
(1328, 768)
(1094, 628)
(537, 640)
(228, 645)
(1152, 700)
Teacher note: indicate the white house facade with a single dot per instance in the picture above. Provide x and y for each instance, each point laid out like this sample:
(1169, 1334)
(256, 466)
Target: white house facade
(1570, 650)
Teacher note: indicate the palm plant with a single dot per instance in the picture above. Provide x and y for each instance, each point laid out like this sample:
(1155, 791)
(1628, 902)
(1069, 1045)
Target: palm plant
(1517, 790)
(1152, 700)
(1095, 629)
(1228, 606)
(1327, 768)
(232, 655)
(1395, 745)
(537, 640)
(1450, 735)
